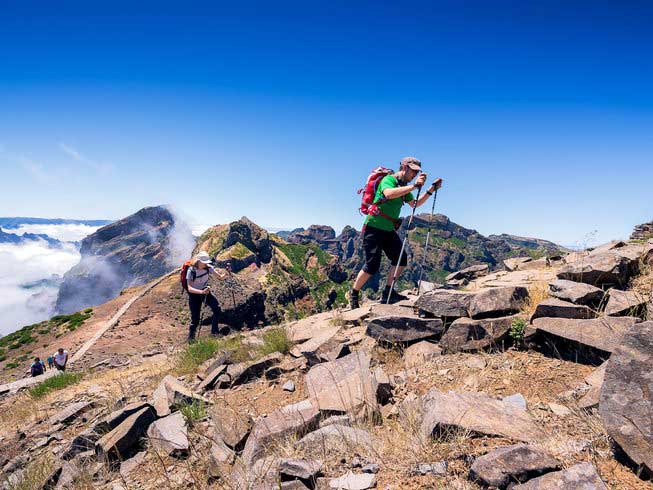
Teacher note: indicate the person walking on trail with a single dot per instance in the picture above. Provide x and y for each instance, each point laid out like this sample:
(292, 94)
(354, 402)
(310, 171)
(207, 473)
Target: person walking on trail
(61, 359)
(199, 292)
(380, 230)
(37, 368)
(50, 362)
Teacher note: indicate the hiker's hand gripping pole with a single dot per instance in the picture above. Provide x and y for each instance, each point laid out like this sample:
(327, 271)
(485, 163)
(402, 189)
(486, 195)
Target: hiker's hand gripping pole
(403, 246)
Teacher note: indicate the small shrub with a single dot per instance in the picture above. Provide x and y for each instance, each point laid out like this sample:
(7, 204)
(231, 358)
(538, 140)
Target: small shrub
(203, 349)
(12, 365)
(54, 383)
(517, 329)
(194, 411)
(275, 340)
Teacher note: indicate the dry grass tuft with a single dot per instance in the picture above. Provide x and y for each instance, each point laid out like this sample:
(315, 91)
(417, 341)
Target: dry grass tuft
(537, 293)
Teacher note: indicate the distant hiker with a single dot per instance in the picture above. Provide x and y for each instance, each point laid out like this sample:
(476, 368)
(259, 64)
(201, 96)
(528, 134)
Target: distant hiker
(61, 359)
(387, 196)
(50, 362)
(199, 292)
(37, 368)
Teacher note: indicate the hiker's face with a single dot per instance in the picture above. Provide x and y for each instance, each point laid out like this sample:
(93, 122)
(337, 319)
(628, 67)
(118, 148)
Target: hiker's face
(410, 174)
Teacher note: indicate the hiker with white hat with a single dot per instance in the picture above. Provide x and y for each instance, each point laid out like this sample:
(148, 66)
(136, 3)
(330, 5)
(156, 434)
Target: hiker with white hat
(199, 292)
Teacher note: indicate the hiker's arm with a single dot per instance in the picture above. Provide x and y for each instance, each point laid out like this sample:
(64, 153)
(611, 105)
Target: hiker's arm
(399, 191)
(434, 187)
(193, 290)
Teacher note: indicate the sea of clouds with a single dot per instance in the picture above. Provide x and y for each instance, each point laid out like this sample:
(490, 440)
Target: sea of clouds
(30, 273)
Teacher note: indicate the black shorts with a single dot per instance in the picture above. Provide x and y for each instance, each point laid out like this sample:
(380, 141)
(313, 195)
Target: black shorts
(376, 241)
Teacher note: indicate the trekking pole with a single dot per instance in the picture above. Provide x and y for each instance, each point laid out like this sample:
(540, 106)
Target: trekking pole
(199, 325)
(231, 287)
(426, 247)
(403, 246)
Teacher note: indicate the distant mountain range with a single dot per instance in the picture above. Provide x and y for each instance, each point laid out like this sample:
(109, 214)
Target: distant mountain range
(26, 238)
(15, 222)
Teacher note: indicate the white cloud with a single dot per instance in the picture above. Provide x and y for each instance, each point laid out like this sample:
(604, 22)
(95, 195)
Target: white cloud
(21, 265)
(75, 154)
(65, 233)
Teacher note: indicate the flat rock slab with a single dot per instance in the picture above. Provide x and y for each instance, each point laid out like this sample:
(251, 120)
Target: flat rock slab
(115, 418)
(467, 335)
(582, 476)
(337, 441)
(576, 292)
(344, 385)
(382, 309)
(626, 403)
(625, 303)
(598, 269)
(352, 481)
(231, 424)
(355, 315)
(497, 302)
(445, 303)
(511, 464)
(404, 329)
(70, 413)
(121, 441)
(244, 372)
(603, 334)
(421, 352)
(169, 434)
(291, 420)
(211, 378)
(300, 468)
(309, 327)
(468, 273)
(170, 393)
(478, 413)
(558, 308)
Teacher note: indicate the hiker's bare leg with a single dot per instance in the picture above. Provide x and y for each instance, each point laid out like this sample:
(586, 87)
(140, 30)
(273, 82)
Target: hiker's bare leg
(391, 273)
(361, 279)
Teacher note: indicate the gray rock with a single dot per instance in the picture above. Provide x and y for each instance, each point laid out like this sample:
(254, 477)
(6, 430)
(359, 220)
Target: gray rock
(336, 441)
(515, 263)
(70, 413)
(467, 335)
(626, 303)
(289, 386)
(582, 476)
(469, 273)
(169, 435)
(244, 372)
(383, 386)
(171, 393)
(291, 420)
(576, 292)
(351, 481)
(438, 468)
(69, 473)
(517, 399)
(344, 385)
(475, 412)
(599, 269)
(115, 418)
(231, 425)
(404, 329)
(340, 350)
(421, 352)
(511, 464)
(82, 442)
(300, 468)
(497, 302)
(121, 441)
(211, 378)
(219, 454)
(445, 303)
(603, 334)
(129, 465)
(371, 468)
(336, 420)
(557, 308)
(626, 401)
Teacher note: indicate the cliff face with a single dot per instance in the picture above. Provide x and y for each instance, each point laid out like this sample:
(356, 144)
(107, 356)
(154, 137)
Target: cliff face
(643, 231)
(125, 253)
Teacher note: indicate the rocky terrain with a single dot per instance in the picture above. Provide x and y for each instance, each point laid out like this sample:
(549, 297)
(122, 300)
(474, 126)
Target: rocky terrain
(125, 253)
(532, 377)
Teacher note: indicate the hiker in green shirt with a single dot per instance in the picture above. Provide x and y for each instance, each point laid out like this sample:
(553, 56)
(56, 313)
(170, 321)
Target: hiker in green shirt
(379, 232)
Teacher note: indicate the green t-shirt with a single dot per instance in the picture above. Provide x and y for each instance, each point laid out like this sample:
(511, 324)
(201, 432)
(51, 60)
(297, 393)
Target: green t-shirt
(392, 207)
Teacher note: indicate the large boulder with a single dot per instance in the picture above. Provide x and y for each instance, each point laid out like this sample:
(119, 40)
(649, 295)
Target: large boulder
(290, 421)
(169, 435)
(231, 425)
(122, 441)
(511, 464)
(603, 334)
(476, 413)
(115, 418)
(420, 353)
(336, 441)
(499, 301)
(344, 385)
(626, 402)
(445, 303)
(626, 303)
(557, 308)
(578, 293)
(604, 268)
(582, 476)
(467, 335)
(395, 329)
(469, 273)
(244, 372)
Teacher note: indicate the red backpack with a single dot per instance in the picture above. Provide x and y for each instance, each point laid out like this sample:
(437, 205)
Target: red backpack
(368, 206)
(184, 272)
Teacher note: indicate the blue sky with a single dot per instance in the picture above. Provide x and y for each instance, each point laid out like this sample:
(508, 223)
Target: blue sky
(538, 115)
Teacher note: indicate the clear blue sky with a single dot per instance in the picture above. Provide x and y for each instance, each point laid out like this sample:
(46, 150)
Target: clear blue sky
(538, 115)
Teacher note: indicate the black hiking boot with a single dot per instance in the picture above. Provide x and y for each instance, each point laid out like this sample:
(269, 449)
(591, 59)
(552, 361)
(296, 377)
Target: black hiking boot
(395, 297)
(354, 296)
